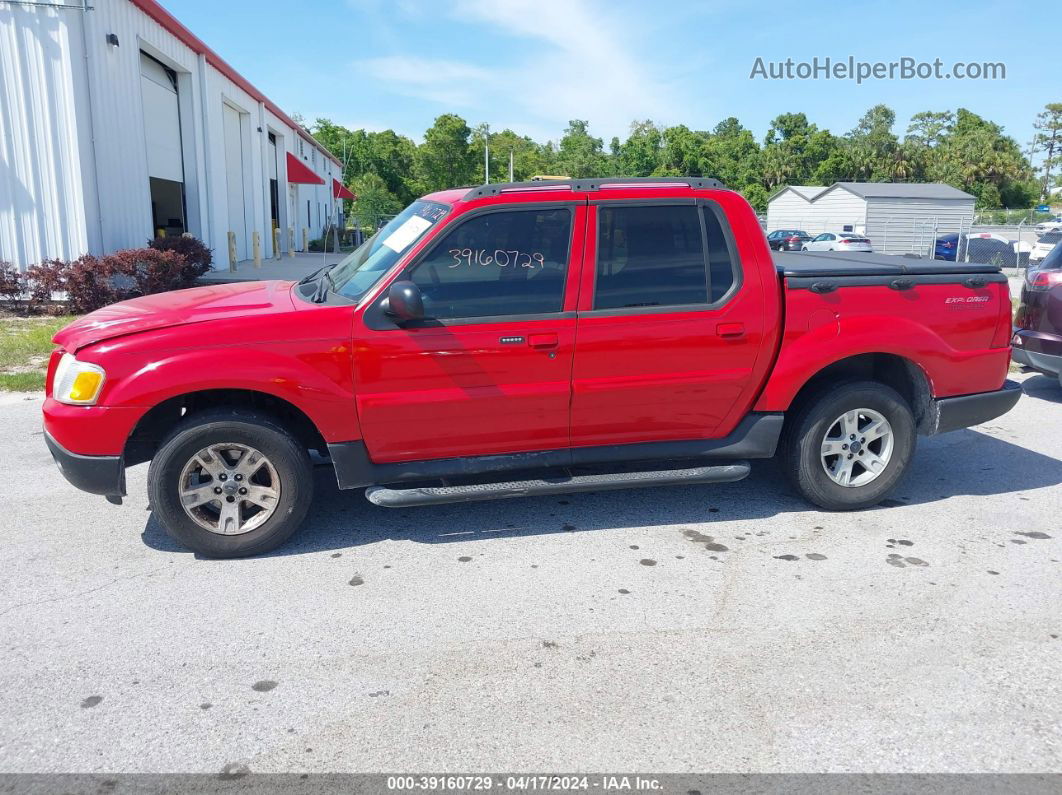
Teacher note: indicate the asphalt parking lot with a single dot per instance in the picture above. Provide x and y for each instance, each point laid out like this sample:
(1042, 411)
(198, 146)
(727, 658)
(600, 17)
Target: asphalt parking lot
(704, 628)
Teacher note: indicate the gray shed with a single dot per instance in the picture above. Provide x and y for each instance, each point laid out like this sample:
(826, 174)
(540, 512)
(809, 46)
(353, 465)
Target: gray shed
(897, 217)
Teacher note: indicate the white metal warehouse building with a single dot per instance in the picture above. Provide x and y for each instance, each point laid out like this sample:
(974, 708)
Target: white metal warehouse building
(897, 217)
(117, 122)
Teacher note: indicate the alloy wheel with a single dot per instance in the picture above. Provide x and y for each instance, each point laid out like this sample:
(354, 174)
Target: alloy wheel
(229, 488)
(857, 447)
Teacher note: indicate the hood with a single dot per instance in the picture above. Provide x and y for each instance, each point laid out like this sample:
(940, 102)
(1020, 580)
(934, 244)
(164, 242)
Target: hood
(176, 308)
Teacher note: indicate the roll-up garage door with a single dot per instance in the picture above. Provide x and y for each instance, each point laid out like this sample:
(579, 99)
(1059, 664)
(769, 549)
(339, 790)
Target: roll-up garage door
(234, 176)
(162, 135)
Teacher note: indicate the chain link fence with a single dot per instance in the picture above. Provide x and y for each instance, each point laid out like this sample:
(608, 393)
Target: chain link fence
(981, 237)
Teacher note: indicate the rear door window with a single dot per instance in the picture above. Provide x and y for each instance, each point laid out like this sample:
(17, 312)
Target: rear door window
(661, 255)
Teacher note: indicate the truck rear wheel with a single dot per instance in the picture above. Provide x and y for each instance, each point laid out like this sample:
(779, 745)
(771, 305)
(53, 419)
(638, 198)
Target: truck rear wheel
(229, 483)
(848, 445)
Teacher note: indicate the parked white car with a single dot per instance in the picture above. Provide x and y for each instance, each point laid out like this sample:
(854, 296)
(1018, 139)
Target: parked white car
(1050, 225)
(838, 241)
(1044, 245)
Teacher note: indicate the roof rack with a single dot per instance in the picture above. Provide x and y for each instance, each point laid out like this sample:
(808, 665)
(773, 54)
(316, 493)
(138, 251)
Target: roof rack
(590, 184)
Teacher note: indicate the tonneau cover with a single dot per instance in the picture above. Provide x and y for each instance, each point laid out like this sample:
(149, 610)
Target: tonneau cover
(797, 264)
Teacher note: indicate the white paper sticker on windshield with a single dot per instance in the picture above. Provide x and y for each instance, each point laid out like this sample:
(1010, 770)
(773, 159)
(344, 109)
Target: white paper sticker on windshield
(399, 240)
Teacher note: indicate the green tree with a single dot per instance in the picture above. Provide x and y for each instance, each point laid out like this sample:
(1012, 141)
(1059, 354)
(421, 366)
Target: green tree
(385, 153)
(779, 165)
(392, 157)
(683, 153)
(445, 160)
(580, 154)
(731, 152)
(977, 157)
(374, 200)
(929, 128)
(873, 145)
(529, 158)
(958, 148)
(640, 154)
(757, 196)
(1048, 139)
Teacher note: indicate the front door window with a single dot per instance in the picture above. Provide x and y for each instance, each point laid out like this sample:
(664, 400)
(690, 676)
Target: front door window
(499, 263)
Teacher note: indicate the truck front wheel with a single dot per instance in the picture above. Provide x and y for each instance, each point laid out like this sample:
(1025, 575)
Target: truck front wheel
(848, 446)
(229, 483)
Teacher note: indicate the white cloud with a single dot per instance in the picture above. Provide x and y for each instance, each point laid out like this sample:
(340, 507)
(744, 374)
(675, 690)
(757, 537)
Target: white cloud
(594, 68)
(446, 82)
(583, 61)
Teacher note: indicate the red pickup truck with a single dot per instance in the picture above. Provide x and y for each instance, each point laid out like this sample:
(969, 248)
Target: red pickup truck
(520, 339)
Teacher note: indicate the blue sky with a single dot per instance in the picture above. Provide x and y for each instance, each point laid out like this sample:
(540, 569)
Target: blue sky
(533, 64)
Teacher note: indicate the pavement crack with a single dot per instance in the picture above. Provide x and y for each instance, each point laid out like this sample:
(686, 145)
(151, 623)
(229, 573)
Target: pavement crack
(35, 602)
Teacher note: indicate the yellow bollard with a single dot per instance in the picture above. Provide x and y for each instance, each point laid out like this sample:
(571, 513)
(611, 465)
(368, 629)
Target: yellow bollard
(291, 241)
(256, 248)
(232, 251)
(276, 242)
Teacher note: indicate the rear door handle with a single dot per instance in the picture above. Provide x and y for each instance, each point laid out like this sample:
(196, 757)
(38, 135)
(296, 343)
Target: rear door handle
(548, 340)
(730, 330)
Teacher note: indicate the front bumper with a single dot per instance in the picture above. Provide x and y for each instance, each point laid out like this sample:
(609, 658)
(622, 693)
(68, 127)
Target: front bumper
(96, 474)
(950, 414)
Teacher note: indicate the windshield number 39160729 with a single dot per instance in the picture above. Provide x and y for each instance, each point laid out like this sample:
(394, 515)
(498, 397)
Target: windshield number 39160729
(501, 257)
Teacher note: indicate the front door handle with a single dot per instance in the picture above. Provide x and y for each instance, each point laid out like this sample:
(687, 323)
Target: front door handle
(730, 330)
(549, 340)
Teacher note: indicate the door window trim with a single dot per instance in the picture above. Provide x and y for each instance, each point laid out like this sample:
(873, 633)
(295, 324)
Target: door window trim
(377, 320)
(674, 309)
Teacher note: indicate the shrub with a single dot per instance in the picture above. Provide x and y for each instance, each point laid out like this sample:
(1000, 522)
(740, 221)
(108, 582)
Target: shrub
(90, 282)
(199, 258)
(44, 281)
(87, 282)
(12, 283)
(143, 271)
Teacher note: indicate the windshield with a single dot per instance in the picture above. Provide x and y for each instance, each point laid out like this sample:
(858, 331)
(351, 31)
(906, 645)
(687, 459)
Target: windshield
(364, 266)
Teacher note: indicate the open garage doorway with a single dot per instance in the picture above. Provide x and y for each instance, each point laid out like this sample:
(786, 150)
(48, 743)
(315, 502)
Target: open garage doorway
(162, 134)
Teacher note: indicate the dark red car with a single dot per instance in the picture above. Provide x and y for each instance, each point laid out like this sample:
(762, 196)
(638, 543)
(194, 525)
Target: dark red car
(521, 339)
(1038, 339)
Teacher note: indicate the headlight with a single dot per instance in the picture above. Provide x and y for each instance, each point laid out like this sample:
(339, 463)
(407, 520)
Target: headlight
(77, 383)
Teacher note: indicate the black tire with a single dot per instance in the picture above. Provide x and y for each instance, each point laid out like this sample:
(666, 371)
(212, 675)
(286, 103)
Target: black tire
(218, 426)
(800, 451)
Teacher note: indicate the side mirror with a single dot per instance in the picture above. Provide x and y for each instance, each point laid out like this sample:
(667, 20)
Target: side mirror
(404, 302)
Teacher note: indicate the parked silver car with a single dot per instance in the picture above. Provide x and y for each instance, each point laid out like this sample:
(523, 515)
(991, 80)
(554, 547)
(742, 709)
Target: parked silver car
(838, 241)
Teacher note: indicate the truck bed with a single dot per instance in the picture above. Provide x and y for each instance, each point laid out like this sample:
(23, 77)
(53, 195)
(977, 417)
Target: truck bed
(819, 264)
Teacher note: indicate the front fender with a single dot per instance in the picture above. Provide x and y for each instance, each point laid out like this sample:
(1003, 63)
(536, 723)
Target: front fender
(315, 376)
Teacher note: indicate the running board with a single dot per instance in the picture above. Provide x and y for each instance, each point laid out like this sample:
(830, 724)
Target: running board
(437, 495)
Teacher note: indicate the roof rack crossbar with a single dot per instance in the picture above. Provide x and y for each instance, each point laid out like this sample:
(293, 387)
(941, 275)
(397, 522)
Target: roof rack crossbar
(590, 184)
